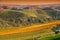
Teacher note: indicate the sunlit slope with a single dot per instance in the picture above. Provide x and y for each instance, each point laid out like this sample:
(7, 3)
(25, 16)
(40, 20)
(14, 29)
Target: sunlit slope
(28, 36)
(33, 28)
(28, 16)
(28, 23)
(14, 18)
(40, 31)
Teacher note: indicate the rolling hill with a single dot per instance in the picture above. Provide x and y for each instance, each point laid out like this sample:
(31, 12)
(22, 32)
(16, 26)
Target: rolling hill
(14, 17)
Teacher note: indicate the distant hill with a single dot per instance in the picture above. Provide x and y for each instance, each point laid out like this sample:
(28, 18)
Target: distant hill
(27, 15)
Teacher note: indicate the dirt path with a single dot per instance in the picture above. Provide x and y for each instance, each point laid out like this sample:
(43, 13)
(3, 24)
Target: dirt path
(32, 28)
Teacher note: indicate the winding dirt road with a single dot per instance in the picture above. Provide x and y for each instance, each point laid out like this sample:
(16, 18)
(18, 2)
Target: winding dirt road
(32, 28)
